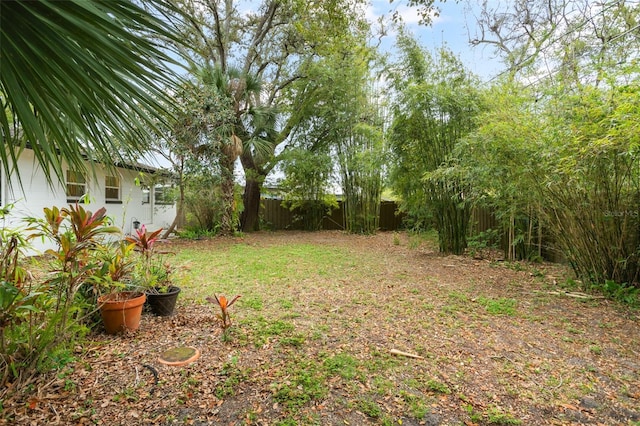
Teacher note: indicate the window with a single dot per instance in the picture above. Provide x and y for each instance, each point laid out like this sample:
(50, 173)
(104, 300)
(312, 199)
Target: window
(162, 194)
(146, 194)
(111, 188)
(76, 185)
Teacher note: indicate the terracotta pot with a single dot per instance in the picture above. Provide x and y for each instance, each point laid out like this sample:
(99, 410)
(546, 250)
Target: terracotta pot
(121, 311)
(163, 304)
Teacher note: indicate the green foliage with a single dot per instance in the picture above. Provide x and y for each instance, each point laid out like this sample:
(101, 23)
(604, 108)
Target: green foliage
(101, 79)
(623, 293)
(495, 416)
(594, 219)
(344, 117)
(241, 90)
(115, 265)
(195, 233)
(263, 331)
(502, 160)
(306, 186)
(342, 365)
(417, 238)
(232, 377)
(152, 273)
(595, 349)
(202, 199)
(436, 107)
(418, 407)
(489, 238)
(305, 383)
(243, 264)
(557, 157)
(436, 386)
(369, 407)
(193, 138)
(78, 234)
(275, 89)
(254, 303)
(502, 306)
(83, 263)
(17, 298)
(361, 156)
(295, 341)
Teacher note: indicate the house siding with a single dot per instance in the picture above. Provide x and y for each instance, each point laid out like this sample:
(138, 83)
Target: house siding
(35, 194)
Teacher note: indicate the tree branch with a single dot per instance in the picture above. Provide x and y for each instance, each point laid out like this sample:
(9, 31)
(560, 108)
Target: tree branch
(263, 28)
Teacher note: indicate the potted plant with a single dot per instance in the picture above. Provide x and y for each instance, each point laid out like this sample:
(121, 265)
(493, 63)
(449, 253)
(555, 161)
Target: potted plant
(82, 258)
(153, 273)
(121, 305)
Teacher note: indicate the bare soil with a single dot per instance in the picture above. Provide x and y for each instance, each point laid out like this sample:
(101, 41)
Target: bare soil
(550, 358)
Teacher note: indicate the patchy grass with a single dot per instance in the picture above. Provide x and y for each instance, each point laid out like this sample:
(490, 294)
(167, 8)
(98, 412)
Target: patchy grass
(311, 338)
(501, 306)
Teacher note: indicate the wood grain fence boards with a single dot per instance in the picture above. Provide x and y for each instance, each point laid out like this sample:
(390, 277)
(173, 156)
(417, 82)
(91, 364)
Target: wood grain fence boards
(276, 217)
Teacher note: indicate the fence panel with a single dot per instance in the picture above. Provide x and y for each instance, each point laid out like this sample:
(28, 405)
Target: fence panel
(274, 215)
(277, 217)
(482, 219)
(390, 218)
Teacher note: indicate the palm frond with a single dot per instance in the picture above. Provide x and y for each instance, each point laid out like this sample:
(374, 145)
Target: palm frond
(79, 77)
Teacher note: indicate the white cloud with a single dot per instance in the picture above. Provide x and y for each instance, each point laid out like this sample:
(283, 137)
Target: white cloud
(409, 15)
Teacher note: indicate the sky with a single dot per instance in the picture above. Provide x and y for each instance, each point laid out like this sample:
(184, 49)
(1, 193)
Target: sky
(449, 28)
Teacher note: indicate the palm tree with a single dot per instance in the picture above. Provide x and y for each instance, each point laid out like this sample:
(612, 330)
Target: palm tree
(250, 123)
(80, 77)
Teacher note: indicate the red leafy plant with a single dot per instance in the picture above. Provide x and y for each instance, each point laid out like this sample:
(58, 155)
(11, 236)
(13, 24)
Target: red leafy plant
(152, 274)
(80, 236)
(224, 304)
(144, 241)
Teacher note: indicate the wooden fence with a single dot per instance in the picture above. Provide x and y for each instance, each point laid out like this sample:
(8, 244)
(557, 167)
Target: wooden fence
(276, 217)
(482, 220)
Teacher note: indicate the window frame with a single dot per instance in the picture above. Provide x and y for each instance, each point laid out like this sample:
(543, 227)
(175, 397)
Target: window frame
(107, 187)
(146, 193)
(69, 182)
(160, 201)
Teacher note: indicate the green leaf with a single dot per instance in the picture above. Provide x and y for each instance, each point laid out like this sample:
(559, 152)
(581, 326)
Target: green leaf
(80, 77)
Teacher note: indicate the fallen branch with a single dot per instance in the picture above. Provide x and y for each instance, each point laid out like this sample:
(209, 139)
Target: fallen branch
(407, 354)
(575, 294)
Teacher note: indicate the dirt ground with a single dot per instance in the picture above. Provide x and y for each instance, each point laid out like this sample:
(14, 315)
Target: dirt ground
(498, 343)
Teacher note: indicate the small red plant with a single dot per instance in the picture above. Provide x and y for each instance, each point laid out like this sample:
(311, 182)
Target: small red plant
(144, 240)
(224, 304)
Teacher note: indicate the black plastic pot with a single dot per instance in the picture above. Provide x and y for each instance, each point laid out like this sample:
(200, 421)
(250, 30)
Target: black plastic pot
(163, 304)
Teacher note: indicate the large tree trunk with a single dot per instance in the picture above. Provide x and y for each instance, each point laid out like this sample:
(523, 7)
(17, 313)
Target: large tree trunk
(254, 176)
(227, 225)
(249, 219)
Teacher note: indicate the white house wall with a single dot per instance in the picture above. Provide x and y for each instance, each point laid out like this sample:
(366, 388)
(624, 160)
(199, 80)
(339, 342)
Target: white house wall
(36, 194)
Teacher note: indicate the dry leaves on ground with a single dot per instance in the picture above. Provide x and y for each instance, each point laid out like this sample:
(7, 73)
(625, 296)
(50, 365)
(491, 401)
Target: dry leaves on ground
(497, 343)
